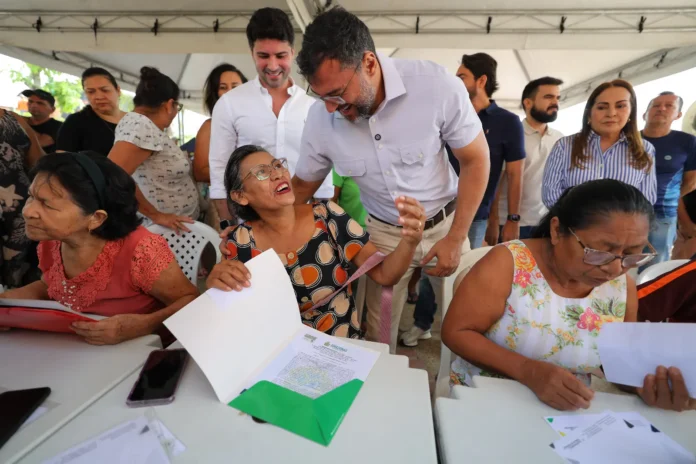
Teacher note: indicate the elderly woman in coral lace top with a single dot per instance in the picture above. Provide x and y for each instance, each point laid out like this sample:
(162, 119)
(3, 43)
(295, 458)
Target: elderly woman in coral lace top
(94, 255)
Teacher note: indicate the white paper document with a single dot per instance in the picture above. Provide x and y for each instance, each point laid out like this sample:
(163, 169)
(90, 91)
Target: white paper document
(611, 440)
(215, 327)
(239, 338)
(567, 424)
(167, 438)
(630, 350)
(133, 442)
(314, 363)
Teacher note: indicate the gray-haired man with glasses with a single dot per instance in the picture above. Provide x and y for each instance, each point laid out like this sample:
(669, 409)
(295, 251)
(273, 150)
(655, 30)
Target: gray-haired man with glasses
(384, 122)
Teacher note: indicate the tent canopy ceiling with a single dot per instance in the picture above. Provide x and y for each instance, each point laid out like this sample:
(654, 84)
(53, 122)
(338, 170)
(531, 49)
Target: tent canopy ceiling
(600, 40)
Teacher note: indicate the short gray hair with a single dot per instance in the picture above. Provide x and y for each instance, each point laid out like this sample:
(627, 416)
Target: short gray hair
(667, 92)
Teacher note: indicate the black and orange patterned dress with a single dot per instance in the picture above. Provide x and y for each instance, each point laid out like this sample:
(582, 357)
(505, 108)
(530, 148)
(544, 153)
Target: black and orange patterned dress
(317, 269)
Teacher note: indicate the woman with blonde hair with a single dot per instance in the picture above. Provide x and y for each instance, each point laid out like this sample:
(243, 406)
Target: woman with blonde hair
(609, 146)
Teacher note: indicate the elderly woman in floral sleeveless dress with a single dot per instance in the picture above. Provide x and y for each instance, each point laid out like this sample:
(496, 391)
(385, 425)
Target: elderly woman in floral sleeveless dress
(532, 310)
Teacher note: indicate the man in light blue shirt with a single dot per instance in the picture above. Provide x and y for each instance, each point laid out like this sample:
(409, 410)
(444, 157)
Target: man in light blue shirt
(384, 122)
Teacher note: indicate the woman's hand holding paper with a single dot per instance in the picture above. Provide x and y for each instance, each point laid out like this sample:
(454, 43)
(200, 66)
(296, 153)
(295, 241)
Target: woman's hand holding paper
(229, 275)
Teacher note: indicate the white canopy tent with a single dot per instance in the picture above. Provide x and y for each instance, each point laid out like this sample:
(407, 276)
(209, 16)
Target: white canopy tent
(581, 45)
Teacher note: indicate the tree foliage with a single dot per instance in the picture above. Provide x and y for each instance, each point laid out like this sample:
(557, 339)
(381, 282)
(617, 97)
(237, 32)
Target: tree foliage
(125, 102)
(65, 89)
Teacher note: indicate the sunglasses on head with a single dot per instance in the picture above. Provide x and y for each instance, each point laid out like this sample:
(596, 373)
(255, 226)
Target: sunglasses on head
(602, 258)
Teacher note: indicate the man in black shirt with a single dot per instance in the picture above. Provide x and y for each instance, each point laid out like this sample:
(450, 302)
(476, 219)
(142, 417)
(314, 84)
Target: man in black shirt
(41, 106)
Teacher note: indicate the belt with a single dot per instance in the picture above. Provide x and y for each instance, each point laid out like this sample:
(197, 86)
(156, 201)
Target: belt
(433, 221)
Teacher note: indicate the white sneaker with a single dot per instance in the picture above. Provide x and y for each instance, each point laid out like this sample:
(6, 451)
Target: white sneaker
(411, 337)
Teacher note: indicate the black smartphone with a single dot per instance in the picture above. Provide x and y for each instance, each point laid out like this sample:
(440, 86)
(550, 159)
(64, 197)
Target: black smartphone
(158, 379)
(15, 408)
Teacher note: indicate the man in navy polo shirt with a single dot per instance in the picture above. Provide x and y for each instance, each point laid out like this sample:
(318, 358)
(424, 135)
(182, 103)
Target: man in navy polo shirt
(675, 159)
(505, 137)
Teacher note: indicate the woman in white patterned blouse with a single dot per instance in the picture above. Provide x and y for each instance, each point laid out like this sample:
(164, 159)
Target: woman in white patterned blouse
(166, 192)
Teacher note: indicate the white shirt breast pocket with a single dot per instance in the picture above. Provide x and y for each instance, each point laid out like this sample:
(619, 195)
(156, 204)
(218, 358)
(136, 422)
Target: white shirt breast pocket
(350, 168)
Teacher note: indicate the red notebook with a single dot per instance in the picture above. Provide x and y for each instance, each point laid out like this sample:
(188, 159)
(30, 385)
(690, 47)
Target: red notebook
(43, 315)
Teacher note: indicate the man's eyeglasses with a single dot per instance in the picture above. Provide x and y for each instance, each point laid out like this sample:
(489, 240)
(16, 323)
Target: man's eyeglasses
(601, 258)
(179, 106)
(335, 99)
(263, 171)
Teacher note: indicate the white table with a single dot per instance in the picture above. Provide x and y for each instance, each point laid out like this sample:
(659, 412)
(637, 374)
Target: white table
(78, 374)
(390, 421)
(503, 422)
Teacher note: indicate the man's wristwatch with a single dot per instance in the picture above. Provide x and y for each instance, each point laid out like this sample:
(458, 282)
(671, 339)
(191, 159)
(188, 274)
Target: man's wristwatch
(514, 217)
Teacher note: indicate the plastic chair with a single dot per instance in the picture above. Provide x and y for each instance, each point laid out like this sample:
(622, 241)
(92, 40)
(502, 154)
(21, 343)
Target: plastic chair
(442, 388)
(656, 270)
(188, 247)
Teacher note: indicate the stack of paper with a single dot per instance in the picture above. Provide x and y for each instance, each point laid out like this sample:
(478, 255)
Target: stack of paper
(614, 438)
(139, 441)
(261, 359)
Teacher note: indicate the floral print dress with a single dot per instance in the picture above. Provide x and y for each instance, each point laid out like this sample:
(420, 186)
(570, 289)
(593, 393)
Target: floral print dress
(544, 326)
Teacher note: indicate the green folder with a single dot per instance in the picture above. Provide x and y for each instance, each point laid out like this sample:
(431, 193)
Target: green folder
(317, 419)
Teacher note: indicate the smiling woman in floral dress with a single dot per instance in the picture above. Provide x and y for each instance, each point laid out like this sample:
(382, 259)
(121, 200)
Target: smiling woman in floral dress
(532, 310)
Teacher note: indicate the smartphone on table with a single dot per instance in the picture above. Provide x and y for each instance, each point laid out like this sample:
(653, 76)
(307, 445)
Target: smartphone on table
(16, 406)
(159, 378)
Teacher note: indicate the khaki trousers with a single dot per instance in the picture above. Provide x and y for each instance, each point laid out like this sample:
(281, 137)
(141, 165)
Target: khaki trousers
(386, 237)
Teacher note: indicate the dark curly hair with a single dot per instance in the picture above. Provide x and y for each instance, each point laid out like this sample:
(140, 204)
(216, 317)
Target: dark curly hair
(121, 205)
(270, 23)
(334, 35)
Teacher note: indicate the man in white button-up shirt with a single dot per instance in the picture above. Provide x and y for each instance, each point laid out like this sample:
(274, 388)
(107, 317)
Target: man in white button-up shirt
(385, 123)
(269, 110)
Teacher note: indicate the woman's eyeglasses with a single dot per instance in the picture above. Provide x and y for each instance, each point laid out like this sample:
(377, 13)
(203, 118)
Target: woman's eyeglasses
(601, 258)
(264, 171)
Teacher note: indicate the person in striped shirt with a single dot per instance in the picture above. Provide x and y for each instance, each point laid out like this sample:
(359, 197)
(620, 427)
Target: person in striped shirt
(609, 146)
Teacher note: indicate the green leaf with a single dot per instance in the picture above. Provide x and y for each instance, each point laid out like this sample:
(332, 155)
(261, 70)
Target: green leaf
(619, 310)
(574, 311)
